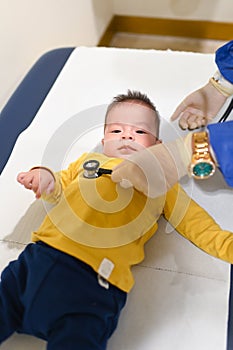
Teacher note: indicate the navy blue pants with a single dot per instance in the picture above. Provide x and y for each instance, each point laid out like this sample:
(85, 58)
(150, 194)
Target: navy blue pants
(56, 297)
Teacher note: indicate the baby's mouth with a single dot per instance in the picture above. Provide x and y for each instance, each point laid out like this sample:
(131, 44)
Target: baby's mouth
(127, 147)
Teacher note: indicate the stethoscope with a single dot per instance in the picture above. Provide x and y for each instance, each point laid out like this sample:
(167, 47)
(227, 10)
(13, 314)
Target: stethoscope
(92, 169)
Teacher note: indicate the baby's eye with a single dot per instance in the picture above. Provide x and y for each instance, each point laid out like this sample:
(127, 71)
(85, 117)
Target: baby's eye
(141, 132)
(116, 131)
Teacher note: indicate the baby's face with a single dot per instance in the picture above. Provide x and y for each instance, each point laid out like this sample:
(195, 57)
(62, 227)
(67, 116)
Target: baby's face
(130, 127)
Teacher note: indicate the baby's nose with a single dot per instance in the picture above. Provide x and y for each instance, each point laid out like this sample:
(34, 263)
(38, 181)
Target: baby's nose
(127, 135)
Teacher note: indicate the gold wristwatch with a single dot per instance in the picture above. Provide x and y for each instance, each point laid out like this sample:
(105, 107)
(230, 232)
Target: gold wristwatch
(202, 164)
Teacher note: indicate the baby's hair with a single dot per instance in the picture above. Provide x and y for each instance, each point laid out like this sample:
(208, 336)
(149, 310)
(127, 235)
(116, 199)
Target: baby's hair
(137, 97)
(134, 96)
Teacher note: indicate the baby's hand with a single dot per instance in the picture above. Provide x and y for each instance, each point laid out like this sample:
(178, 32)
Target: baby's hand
(38, 180)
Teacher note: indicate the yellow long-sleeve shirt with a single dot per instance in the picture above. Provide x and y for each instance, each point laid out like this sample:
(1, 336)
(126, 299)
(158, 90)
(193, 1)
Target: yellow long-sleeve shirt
(106, 226)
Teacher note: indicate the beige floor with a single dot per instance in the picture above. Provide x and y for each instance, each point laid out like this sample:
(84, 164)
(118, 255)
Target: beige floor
(139, 41)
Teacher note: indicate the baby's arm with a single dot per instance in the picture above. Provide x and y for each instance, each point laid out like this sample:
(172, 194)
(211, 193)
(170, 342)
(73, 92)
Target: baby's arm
(195, 224)
(39, 179)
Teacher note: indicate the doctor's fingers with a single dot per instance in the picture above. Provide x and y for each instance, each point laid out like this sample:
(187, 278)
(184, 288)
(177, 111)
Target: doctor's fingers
(192, 119)
(129, 174)
(178, 111)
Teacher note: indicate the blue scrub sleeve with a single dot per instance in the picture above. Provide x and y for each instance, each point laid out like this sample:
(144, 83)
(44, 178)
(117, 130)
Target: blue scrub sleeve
(221, 140)
(224, 60)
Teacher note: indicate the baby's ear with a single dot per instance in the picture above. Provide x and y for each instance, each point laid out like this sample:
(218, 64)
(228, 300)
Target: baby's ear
(102, 141)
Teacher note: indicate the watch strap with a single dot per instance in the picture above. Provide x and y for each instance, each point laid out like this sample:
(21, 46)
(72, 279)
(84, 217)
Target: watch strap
(201, 153)
(221, 84)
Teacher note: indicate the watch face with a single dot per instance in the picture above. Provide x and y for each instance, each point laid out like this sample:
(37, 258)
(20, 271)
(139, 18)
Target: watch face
(203, 169)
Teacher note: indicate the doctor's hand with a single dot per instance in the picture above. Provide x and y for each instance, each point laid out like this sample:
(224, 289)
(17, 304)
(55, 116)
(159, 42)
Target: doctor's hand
(199, 107)
(154, 170)
(39, 180)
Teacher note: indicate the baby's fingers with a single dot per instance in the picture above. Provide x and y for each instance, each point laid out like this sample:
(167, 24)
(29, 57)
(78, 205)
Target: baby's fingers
(27, 180)
(20, 177)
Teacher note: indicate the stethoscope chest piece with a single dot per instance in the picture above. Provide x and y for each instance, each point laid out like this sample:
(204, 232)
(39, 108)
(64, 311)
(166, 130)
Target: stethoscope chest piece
(92, 169)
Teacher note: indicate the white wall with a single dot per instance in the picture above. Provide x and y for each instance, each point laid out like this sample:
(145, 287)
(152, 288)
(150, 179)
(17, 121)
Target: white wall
(29, 28)
(209, 10)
